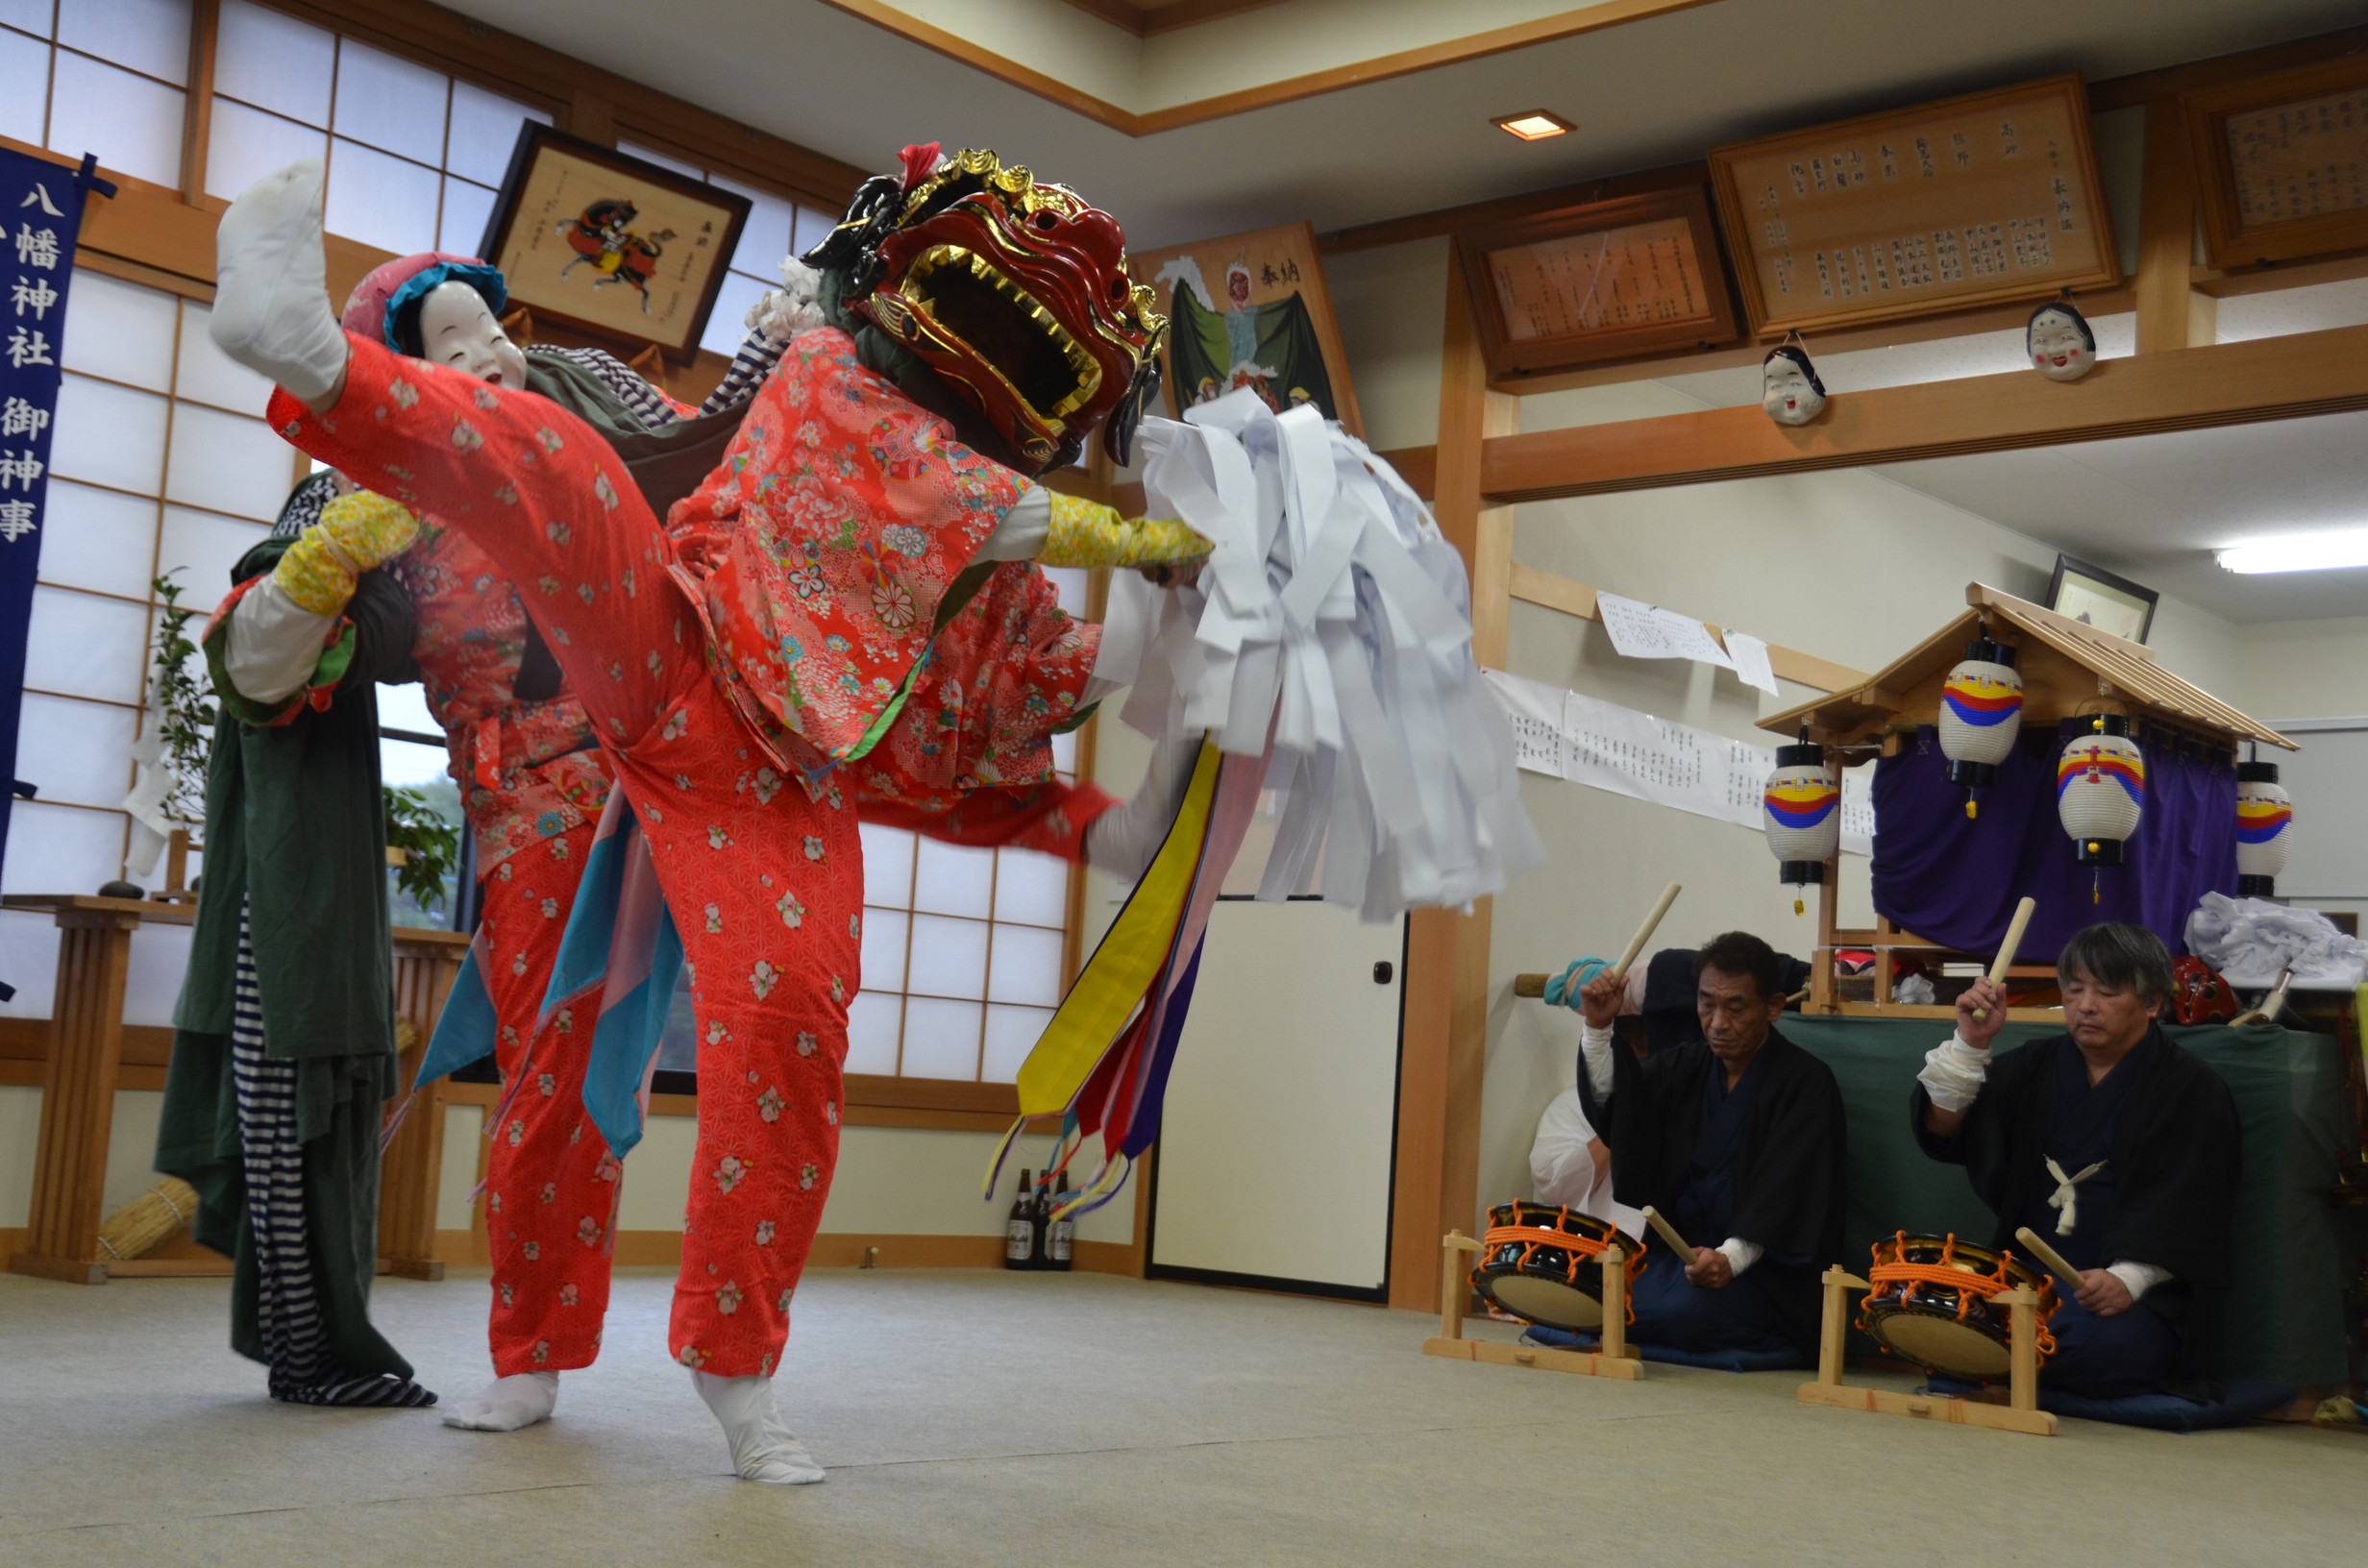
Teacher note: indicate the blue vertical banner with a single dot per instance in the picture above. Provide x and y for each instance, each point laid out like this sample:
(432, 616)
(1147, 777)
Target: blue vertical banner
(41, 209)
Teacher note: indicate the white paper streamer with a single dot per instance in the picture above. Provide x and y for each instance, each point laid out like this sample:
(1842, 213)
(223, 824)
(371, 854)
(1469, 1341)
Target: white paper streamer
(1335, 617)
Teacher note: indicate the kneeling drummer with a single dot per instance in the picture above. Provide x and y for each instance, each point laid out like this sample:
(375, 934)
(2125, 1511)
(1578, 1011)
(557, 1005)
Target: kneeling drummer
(1737, 1136)
(2115, 1145)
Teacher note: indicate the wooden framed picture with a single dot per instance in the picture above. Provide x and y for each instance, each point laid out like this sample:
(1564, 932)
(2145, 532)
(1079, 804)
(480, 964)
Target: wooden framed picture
(606, 243)
(2104, 599)
(1250, 310)
(1615, 280)
(2281, 164)
(1977, 200)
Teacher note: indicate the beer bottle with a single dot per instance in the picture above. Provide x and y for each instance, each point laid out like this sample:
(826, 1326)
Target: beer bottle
(1021, 1231)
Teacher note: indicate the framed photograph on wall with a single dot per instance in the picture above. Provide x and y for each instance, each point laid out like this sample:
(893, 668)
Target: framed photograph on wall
(2104, 599)
(1250, 310)
(1615, 280)
(608, 244)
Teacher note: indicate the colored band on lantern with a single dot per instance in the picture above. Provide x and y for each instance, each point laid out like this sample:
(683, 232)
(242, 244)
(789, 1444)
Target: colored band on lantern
(2258, 822)
(1976, 707)
(1802, 805)
(2126, 772)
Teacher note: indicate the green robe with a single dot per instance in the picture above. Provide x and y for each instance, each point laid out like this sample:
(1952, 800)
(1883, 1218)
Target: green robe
(295, 829)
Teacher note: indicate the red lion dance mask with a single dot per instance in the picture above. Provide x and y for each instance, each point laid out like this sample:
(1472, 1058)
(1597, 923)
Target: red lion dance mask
(1014, 292)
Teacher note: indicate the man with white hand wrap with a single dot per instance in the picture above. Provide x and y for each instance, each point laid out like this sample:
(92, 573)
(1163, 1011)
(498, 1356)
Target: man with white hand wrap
(2115, 1144)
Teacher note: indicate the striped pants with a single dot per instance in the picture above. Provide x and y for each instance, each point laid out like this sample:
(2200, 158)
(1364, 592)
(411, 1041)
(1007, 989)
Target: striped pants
(295, 1343)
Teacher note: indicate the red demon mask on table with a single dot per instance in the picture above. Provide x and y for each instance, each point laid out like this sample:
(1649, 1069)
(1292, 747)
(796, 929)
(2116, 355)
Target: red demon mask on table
(2198, 994)
(1015, 293)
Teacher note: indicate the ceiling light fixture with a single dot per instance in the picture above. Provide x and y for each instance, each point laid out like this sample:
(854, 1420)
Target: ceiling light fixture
(2328, 551)
(1536, 125)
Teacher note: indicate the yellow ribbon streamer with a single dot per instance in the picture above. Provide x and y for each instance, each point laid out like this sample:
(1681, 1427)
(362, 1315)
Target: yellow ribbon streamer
(1113, 981)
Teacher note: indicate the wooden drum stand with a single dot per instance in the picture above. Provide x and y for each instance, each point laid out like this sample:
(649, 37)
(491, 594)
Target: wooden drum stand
(1613, 1360)
(2020, 1413)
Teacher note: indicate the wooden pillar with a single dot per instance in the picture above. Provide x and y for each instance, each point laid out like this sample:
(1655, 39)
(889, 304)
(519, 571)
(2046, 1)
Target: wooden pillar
(197, 119)
(2170, 313)
(77, 1098)
(425, 964)
(1445, 1045)
(593, 118)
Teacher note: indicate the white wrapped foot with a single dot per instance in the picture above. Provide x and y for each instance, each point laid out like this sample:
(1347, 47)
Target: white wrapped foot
(271, 308)
(763, 1448)
(507, 1404)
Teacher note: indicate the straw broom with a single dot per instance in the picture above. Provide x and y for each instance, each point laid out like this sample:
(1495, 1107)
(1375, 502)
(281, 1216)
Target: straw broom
(143, 1225)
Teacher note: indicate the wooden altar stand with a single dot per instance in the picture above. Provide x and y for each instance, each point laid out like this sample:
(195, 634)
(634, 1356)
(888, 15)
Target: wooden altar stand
(85, 1051)
(1613, 1360)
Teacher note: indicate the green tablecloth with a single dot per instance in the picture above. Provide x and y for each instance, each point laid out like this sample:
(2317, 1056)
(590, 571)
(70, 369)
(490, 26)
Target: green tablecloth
(2285, 1316)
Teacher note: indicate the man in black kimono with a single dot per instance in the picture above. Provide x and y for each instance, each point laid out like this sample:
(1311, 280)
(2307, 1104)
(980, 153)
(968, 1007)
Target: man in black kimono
(2117, 1146)
(1737, 1135)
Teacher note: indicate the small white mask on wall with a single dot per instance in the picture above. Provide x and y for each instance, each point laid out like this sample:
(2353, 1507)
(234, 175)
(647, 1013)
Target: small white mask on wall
(1790, 391)
(2060, 345)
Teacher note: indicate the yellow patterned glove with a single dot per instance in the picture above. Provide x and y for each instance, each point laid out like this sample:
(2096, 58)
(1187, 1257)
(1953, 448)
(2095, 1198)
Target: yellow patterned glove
(1087, 533)
(355, 532)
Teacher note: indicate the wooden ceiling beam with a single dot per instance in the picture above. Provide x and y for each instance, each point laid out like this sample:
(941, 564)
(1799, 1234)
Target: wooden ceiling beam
(2176, 389)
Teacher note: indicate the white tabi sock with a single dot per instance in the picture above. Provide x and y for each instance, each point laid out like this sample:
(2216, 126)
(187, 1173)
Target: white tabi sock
(271, 301)
(507, 1404)
(763, 1448)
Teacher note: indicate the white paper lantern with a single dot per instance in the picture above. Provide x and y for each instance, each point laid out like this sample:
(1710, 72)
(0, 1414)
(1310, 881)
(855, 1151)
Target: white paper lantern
(2264, 829)
(1802, 808)
(2100, 790)
(1980, 714)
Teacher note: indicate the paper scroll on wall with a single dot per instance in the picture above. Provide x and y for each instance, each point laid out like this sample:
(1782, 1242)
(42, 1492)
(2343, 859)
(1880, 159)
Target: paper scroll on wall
(1602, 744)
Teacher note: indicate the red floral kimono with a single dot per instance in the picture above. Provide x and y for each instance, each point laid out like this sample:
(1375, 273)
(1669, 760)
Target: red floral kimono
(759, 673)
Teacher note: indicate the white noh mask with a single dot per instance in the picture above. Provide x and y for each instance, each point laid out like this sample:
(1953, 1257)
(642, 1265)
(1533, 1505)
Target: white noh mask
(1790, 391)
(2062, 347)
(457, 328)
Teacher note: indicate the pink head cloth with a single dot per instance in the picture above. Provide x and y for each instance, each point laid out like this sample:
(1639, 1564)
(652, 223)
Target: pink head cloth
(365, 308)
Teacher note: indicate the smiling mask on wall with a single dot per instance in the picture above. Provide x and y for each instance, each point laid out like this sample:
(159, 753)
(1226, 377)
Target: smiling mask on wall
(2060, 342)
(1789, 390)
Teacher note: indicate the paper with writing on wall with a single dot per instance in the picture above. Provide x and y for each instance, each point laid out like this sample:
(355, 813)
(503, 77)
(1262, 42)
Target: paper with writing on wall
(1751, 661)
(1533, 710)
(1647, 631)
(1606, 747)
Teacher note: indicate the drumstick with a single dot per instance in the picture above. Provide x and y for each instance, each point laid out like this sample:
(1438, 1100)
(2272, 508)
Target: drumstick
(1644, 932)
(1668, 1234)
(2270, 1004)
(2054, 1260)
(2005, 949)
(1533, 985)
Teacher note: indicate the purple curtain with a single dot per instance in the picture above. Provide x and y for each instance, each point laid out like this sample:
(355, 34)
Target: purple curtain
(1955, 881)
